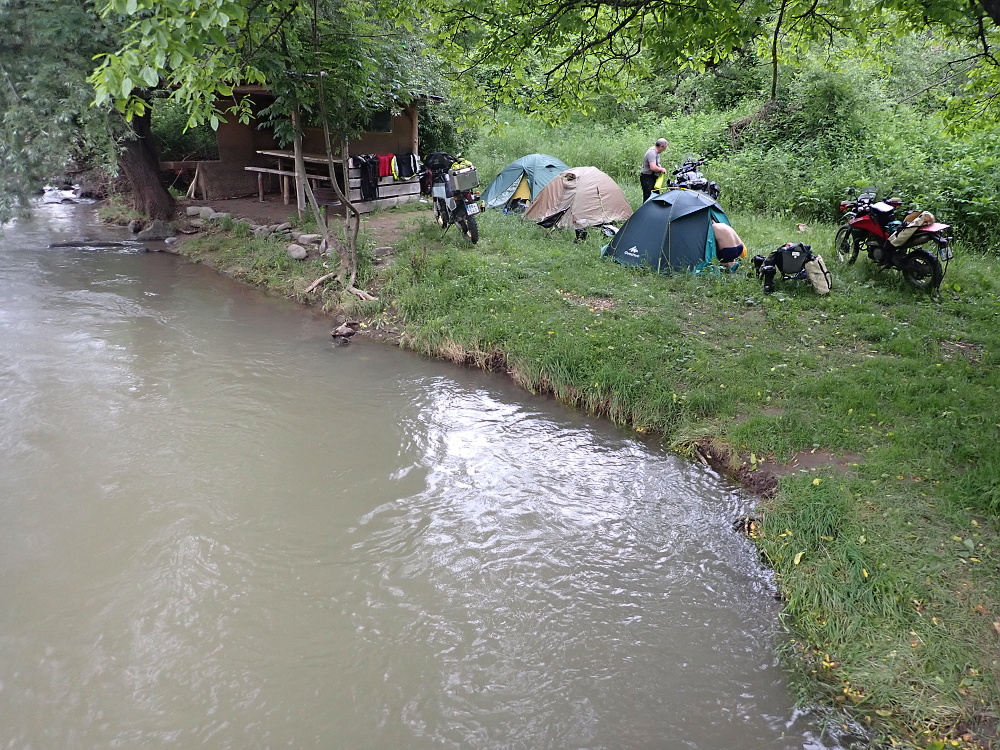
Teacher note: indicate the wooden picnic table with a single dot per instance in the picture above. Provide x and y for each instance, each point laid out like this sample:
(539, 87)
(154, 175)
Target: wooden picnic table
(287, 171)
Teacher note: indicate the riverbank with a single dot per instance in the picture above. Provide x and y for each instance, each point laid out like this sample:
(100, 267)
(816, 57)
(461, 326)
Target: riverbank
(876, 408)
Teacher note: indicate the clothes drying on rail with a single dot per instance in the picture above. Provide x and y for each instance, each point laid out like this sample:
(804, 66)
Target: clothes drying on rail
(368, 172)
(406, 164)
(387, 166)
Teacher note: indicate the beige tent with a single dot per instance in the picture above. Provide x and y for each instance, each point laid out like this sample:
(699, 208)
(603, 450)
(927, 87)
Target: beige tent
(578, 198)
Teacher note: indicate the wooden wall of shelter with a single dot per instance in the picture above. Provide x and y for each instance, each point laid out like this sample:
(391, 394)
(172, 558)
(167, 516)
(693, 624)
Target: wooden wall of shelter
(239, 146)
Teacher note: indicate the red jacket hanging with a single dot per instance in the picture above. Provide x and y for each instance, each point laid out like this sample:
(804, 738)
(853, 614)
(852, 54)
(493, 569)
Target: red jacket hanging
(387, 165)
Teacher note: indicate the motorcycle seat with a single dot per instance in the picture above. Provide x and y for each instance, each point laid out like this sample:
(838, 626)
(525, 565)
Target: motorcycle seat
(935, 227)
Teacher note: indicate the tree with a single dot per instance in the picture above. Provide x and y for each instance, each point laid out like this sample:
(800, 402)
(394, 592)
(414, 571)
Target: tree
(49, 128)
(327, 62)
(574, 49)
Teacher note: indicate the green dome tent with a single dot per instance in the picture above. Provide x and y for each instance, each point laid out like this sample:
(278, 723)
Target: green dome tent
(522, 179)
(671, 231)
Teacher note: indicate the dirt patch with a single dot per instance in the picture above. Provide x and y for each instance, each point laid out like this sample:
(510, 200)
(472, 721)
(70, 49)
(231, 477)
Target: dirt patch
(971, 352)
(593, 303)
(761, 477)
(813, 461)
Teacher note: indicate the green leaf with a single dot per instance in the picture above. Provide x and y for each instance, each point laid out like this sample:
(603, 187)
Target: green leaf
(150, 76)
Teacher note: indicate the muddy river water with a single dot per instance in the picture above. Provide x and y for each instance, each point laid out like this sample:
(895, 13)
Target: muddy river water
(219, 530)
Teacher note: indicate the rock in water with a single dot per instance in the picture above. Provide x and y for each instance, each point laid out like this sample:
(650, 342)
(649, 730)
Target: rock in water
(157, 230)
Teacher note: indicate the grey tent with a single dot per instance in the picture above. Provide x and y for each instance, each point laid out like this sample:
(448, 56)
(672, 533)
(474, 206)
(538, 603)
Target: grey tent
(522, 180)
(670, 231)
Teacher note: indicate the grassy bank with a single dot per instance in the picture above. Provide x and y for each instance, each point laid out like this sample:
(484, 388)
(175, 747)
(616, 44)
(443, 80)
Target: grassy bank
(881, 404)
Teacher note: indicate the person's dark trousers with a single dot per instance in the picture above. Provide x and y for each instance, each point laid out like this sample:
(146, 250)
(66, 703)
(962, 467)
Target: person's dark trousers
(647, 181)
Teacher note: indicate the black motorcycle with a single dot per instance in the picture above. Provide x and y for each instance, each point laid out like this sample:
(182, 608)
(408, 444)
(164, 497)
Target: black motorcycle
(688, 175)
(452, 184)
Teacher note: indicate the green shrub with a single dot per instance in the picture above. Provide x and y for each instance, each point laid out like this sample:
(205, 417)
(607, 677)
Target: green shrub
(174, 142)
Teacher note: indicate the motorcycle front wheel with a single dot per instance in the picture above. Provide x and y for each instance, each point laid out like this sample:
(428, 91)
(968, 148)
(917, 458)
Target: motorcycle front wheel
(470, 228)
(922, 270)
(441, 212)
(842, 244)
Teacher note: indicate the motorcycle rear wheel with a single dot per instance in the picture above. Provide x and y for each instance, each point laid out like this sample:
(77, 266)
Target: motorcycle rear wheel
(470, 228)
(922, 270)
(842, 244)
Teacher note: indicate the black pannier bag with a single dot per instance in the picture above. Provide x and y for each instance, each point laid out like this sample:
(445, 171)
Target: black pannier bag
(791, 261)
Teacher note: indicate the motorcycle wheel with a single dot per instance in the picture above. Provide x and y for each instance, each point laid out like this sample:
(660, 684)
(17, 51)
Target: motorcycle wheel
(470, 228)
(441, 212)
(922, 269)
(842, 244)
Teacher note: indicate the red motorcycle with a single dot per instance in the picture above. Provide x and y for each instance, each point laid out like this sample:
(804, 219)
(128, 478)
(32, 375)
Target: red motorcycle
(872, 226)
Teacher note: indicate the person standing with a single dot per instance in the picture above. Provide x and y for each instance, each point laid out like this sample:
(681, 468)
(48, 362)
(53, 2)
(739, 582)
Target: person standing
(651, 168)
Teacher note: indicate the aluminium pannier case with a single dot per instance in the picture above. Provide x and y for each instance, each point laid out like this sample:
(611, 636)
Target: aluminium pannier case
(464, 179)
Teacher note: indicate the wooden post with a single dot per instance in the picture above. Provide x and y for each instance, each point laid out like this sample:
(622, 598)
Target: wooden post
(300, 165)
(345, 162)
(192, 190)
(412, 111)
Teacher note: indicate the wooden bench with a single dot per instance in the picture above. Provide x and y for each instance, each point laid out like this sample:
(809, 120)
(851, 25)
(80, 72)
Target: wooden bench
(284, 174)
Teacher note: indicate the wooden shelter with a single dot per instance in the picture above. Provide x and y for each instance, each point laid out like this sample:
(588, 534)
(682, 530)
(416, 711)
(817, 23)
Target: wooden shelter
(252, 162)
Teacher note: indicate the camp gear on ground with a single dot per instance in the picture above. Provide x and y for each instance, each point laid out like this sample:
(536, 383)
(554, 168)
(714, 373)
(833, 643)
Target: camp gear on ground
(578, 198)
(671, 231)
(819, 275)
(791, 262)
(521, 180)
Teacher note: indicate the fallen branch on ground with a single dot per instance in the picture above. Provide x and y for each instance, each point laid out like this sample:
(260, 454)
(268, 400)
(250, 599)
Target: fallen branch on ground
(319, 281)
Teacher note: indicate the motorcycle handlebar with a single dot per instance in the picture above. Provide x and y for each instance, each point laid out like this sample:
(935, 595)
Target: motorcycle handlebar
(689, 166)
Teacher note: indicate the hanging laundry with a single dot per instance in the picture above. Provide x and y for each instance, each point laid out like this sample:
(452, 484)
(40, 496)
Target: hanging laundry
(407, 165)
(387, 166)
(368, 170)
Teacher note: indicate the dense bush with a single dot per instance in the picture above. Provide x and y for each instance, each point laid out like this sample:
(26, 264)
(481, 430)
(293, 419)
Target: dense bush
(439, 130)
(173, 142)
(827, 132)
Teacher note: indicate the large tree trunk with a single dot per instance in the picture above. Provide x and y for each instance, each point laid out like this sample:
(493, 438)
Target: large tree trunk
(992, 7)
(141, 166)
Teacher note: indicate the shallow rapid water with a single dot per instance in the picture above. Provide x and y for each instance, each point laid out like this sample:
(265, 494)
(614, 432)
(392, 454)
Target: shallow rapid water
(219, 530)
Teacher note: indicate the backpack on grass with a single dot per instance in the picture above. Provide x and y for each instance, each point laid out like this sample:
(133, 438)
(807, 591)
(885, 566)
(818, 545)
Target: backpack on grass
(818, 275)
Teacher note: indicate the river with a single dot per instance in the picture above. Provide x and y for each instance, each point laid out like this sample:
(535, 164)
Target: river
(220, 530)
